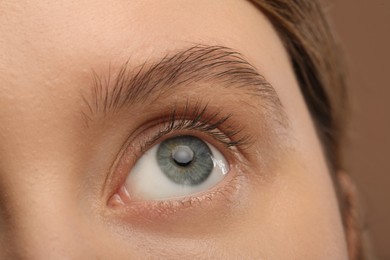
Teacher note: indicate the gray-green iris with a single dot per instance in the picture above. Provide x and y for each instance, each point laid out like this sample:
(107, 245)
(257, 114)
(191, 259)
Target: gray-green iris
(185, 160)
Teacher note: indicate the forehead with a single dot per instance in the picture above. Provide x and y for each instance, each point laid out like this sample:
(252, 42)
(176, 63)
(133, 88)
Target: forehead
(39, 34)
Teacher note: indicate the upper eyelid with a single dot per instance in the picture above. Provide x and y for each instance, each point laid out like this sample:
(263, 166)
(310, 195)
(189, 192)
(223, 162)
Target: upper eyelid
(200, 63)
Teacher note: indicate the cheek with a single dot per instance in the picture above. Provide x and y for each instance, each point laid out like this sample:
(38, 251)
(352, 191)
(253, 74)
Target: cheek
(295, 214)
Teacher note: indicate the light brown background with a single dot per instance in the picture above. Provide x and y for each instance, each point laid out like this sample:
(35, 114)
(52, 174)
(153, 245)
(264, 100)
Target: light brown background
(363, 28)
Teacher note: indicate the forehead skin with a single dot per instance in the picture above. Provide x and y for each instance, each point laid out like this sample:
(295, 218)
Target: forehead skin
(47, 51)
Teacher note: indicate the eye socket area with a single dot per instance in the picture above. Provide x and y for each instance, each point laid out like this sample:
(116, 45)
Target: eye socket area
(177, 167)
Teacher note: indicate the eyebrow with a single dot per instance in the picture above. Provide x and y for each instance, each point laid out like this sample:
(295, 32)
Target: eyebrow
(197, 64)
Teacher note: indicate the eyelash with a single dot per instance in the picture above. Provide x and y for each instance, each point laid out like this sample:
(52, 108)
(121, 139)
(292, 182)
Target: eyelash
(197, 118)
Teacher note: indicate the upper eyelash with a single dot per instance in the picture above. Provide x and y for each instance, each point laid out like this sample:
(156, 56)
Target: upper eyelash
(197, 117)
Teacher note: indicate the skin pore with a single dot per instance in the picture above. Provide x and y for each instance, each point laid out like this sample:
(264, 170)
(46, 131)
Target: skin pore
(74, 122)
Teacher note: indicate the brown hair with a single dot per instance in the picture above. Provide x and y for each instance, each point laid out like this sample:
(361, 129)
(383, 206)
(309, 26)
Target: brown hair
(307, 37)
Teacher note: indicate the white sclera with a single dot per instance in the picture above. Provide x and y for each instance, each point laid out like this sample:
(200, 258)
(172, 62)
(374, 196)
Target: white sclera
(146, 181)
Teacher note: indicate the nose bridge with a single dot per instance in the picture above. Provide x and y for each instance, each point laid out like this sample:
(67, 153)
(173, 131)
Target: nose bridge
(40, 168)
(39, 220)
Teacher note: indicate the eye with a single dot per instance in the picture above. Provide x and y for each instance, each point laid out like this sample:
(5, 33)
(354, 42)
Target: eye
(177, 167)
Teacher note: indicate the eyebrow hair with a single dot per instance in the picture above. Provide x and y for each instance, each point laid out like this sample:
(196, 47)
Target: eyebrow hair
(197, 64)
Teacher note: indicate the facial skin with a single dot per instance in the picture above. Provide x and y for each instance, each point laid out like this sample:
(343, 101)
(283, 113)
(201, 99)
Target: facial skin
(64, 158)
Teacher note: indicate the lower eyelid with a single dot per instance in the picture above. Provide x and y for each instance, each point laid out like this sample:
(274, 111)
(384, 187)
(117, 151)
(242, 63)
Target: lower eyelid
(221, 197)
